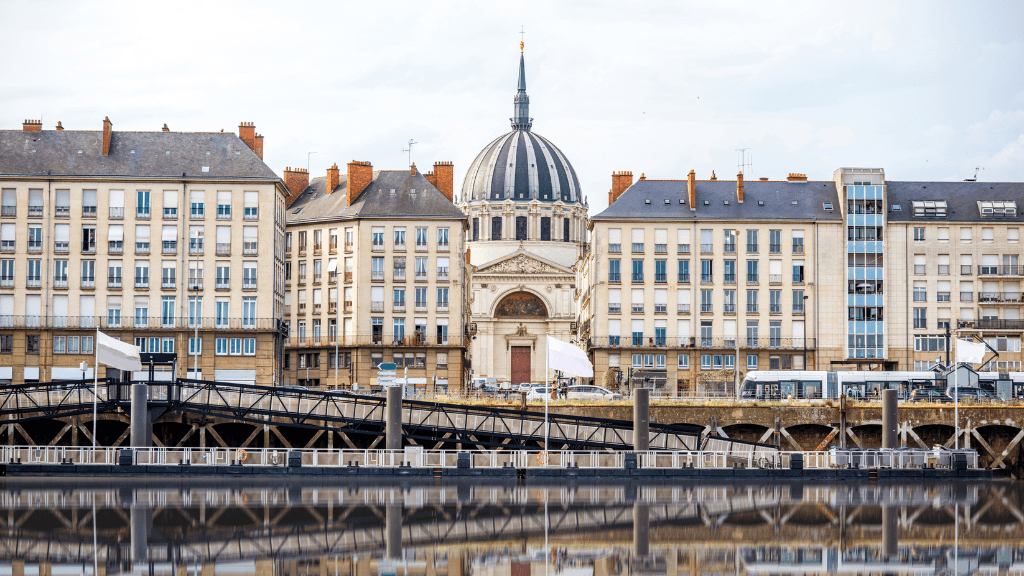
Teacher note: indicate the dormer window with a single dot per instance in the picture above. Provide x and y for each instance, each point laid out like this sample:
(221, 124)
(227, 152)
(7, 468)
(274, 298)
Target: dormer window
(827, 206)
(896, 208)
(929, 208)
(996, 209)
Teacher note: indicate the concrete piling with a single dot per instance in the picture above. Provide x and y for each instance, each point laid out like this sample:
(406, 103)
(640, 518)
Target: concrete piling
(641, 528)
(140, 416)
(889, 424)
(641, 419)
(393, 433)
(393, 521)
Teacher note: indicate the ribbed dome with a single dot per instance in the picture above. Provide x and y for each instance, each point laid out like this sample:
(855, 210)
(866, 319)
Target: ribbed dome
(521, 165)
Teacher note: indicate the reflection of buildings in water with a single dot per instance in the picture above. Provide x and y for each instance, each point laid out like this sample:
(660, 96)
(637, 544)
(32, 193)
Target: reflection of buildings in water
(480, 530)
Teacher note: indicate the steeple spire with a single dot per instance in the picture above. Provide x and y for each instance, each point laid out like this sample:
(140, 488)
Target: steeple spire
(522, 120)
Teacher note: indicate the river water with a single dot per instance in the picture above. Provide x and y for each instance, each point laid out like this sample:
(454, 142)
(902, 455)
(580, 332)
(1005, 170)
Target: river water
(225, 528)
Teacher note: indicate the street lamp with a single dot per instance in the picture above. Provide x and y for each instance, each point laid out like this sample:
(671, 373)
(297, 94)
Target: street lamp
(805, 331)
(195, 309)
(337, 326)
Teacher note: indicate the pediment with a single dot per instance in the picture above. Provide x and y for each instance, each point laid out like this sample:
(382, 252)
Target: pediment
(522, 262)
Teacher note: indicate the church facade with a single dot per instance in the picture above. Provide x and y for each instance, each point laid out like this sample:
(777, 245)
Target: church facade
(528, 223)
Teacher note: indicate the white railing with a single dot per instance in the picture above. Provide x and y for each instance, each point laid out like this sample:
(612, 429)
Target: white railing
(748, 456)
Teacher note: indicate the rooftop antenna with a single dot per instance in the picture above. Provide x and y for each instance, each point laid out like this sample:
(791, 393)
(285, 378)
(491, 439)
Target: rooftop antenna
(409, 151)
(308, 154)
(976, 169)
(522, 38)
(744, 164)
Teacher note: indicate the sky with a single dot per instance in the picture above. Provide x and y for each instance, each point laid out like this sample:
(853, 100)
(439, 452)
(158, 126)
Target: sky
(925, 90)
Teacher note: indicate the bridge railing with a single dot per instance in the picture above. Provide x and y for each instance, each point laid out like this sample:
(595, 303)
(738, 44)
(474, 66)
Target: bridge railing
(518, 459)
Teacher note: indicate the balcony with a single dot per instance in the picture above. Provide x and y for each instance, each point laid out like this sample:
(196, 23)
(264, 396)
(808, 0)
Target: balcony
(752, 308)
(752, 248)
(223, 212)
(442, 275)
(88, 211)
(302, 249)
(682, 308)
(116, 213)
(661, 248)
(943, 269)
(318, 249)
(170, 213)
(375, 275)
(7, 246)
(660, 278)
(142, 248)
(349, 246)
(775, 278)
(707, 248)
(422, 247)
(34, 282)
(942, 297)
(615, 308)
(682, 248)
(317, 309)
(729, 278)
(967, 296)
(168, 284)
(991, 324)
(661, 308)
(377, 306)
(798, 248)
(775, 248)
(729, 248)
(638, 278)
(169, 247)
(113, 247)
(399, 246)
(707, 278)
(88, 282)
(9, 282)
(195, 284)
(61, 247)
(399, 307)
(195, 248)
(994, 297)
(332, 307)
(753, 279)
(400, 275)
(707, 308)
(142, 283)
(613, 277)
(223, 248)
(348, 307)
(251, 213)
(222, 284)
(637, 309)
(113, 282)
(442, 306)
(249, 249)
(638, 247)
(775, 309)
(9, 211)
(302, 279)
(348, 276)
(197, 212)
(719, 342)
(798, 279)
(798, 309)
(377, 247)
(420, 276)
(684, 278)
(729, 308)
(142, 213)
(248, 284)
(35, 246)
(442, 247)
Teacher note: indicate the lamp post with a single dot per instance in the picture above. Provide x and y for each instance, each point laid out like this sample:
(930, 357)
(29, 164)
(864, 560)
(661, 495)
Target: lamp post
(805, 331)
(195, 310)
(337, 325)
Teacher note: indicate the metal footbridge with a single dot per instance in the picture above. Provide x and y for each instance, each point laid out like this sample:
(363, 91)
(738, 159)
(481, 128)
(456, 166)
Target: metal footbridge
(430, 424)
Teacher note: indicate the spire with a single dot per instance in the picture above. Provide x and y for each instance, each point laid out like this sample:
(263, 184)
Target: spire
(522, 120)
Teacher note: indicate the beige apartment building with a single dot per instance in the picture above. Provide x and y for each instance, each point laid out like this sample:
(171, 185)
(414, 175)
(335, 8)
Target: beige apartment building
(954, 257)
(376, 269)
(151, 237)
(686, 281)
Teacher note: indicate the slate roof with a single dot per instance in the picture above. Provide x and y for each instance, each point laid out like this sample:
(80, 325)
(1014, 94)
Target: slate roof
(157, 154)
(961, 199)
(376, 201)
(777, 196)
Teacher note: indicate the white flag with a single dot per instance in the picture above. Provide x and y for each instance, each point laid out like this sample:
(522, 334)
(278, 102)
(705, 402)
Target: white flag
(568, 358)
(117, 354)
(969, 352)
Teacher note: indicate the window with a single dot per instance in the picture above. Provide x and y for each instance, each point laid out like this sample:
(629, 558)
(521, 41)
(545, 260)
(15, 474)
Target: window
(61, 238)
(990, 209)
(88, 273)
(442, 299)
(195, 346)
(167, 311)
(752, 301)
(223, 205)
(221, 347)
(775, 241)
(919, 234)
(638, 240)
(637, 301)
(614, 275)
(520, 227)
(248, 276)
(248, 312)
(729, 301)
(495, 227)
(248, 346)
(683, 362)
(141, 274)
(920, 317)
(116, 203)
(399, 238)
(249, 240)
(965, 235)
(142, 239)
(476, 229)
(1013, 235)
(929, 208)
(637, 329)
(638, 270)
(798, 271)
(920, 291)
(920, 264)
(705, 362)
(930, 343)
(615, 241)
(775, 301)
(682, 241)
(752, 242)
(442, 239)
(197, 200)
(753, 276)
(251, 207)
(987, 235)
(7, 237)
(798, 301)
(442, 269)
(376, 268)
(10, 203)
(943, 235)
(706, 302)
(34, 274)
(88, 203)
(235, 349)
(142, 204)
(170, 204)
(798, 241)
(684, 271)
(35, 237)
(706, 271)
(7, 273)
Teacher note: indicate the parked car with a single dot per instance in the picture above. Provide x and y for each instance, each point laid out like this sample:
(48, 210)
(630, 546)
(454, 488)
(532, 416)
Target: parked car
(538, 393)
(973, 394)
(581, 392)
(929, 395)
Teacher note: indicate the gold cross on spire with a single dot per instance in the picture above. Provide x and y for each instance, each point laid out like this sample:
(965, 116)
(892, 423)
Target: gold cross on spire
(522, 44)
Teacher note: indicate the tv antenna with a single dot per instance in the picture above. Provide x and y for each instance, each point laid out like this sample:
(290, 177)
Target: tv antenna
(409, 150)
(976, 169)
(745, 164)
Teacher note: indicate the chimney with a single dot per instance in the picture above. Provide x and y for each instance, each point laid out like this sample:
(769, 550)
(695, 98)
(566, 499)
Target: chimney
(258, 149)
(360, 174)
(620, 182)
(763, 178)
(332, 178)
(739, 187)
(247, 133)
(713, 177)
(107, 126)
(691, 187)
(32, 126)
(412, 169)
(165, 128)
(443, 178)
(59, 127)
(796, 177)
(296, 180)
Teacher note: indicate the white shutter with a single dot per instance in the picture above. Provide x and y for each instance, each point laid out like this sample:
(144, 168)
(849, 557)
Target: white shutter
(967, 313)
(615, 236)
(193, 231)
(683, 329)
(638, 325)
(7, 232)
(287, 298)
(965, 234)
(63, 199)
(170, 198)
(965, 260)
(661, 297)
(661, 236)
(223, 197)
(798, 330)
(252, 199)
(442, 321)
(115, 232)
(683, 297)
(35, 198)
(944, 260)
(989, 260)
(302, 296)
(170, 233)
(196, 196)
(798, 234)
(87, 306)
(316, 297)
(944, 286)
(683, 236)
(332, 265)
(729, 327)
(62, 232)
(377, 294)
(638, 235)
(142, 233)
(638, 296)
(223, 234)
(88, 197)
(614, 327)
(10, 197)
(60, 306)
(116, 198)
(943, 234)
(33, 304)
(7, 305)
(249, 233)
(775, 267)
(615, 296)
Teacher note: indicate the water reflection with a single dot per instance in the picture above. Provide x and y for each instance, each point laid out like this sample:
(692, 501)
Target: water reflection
(213, 529)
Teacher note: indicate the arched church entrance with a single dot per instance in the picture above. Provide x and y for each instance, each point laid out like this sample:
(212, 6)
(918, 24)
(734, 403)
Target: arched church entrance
(521, 344)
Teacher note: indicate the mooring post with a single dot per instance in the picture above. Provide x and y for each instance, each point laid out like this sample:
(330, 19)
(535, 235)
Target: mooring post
(393, 521)
(641, 419)
(140, 517)
(393, 434)
(641, 527)
(140, 416)
(842, 422)
(889, 425)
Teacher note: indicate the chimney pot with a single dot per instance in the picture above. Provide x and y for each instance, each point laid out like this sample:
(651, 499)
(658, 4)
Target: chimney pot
(165, 128)
(59, 127)
(796, 177)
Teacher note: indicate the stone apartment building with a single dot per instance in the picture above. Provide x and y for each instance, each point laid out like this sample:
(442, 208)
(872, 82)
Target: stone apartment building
(376, 270)
(147, 236)
(685, 278)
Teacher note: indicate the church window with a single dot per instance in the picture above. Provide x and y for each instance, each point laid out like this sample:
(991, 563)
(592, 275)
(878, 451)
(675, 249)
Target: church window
(496, 228)
(545, 228)
(565, 230)
(476, 229)
(520, 227)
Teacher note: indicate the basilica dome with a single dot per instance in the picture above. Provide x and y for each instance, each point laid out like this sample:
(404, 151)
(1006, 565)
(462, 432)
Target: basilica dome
(521, 165)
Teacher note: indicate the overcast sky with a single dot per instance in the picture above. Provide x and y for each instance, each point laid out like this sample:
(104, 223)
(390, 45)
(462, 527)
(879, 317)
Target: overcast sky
(926, 90)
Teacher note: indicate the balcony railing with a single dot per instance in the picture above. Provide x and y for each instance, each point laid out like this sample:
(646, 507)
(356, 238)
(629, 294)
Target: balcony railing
(442, 275)
(798, 248)
(753, 278)
(113, 282)
(223, 249)
(752, 308)
(729, 308)
(375, 275)
(142, 247)
(729, 248)
(442, 246)
(707, 278)
(661, 248)
(248, 248)
(613, 277)
(442, 306)
(399, 274)
(377, 306)
(638, 247)
(169, 247)
(35, 245)
(116, 212)
(142, 282)
(389, 340)
(377, 247)
(88, 282)
(683, 308)
(61, 247)
(707, 248)
(615, 308)
(638, 278)
(8, 211)
(222, 284)
(422, 247)
(727, 342)
(168, 284)
(399, 307)
(684, 278)
(1014, 297)
(682, 248)
(9, 282)
(967, 296)
(775, 278)
(195, 284)
(991, 324)
(660, 278)
(729, 278)
(419, 276)
(775, 248)
(751, 248)
(88, 211)
(707, 308)
(637, 309)
(248, 284)
(33, 282)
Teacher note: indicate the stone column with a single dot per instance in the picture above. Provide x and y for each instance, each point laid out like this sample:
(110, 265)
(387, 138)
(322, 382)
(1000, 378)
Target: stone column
(641, 419)
(889, 425)
(140, 417)
(393, 434)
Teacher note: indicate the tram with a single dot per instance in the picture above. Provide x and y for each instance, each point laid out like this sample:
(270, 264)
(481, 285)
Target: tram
(865, 384)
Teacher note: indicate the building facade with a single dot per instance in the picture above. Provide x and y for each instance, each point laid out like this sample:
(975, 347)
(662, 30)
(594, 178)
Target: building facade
(376, 271)
(152, 237)
(527, 220)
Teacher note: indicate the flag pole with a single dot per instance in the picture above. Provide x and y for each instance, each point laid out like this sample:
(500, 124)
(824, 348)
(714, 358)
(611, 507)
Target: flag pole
(956, 398)
(95, 384)
(547, 397)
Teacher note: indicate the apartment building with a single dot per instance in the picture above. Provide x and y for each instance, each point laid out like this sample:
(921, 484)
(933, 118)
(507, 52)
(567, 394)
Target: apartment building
(687, 283)
(954, 265)
(173, 241)
(375, 271)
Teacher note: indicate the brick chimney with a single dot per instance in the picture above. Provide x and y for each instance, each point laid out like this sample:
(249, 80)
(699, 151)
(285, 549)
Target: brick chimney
(165, 128)
(795, 177)
(739, 187)
(691, 188)
(107, 133)
(620, 181)
(258, 148)
(296, 179)
(59, 127)
(713, 177)
(332, 178)
(443, 178)
(360, 174)
(247, 132)
(32, 126)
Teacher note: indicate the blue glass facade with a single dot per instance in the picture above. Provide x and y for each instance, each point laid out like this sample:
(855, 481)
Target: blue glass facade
(865, 254)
